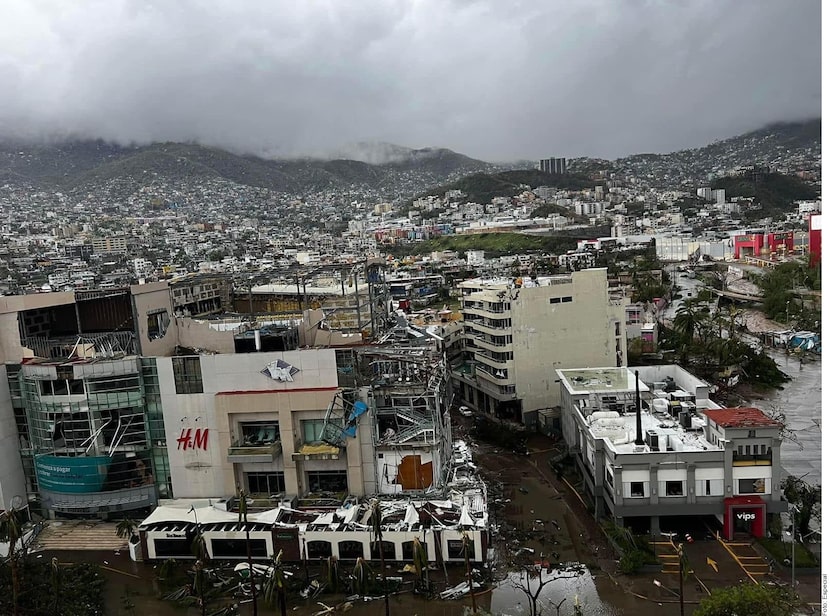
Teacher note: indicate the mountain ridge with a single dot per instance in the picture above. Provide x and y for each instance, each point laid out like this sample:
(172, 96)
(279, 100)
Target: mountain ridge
(394, 170)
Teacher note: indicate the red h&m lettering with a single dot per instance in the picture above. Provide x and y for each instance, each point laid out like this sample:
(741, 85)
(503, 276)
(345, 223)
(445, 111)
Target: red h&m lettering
(199, 440)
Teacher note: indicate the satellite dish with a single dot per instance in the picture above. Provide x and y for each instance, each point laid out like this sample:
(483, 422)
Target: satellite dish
(17, 502)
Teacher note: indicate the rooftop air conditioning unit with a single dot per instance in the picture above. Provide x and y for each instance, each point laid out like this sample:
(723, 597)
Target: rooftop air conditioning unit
(685, 419)
(652, 440)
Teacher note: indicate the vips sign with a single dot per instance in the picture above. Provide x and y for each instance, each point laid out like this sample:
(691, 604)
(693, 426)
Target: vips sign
(81, 474)
(745, 516)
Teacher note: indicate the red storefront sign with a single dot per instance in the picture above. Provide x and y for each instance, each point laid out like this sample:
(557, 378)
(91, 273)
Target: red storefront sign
(190, 439)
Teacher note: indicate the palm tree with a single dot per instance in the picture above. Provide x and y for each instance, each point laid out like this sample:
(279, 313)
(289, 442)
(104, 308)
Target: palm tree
(467, 545)
(56, 584)
(377, 532)
(333, 573)
(360, 576)
(243, 518)
(275, 585)
(11, 530)
(419, 559)
(126, 528)
(200, 551)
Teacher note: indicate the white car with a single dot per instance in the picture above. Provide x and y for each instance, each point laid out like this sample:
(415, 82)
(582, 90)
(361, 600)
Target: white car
(466, 411)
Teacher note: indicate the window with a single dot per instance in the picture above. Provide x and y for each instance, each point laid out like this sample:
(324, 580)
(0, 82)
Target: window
(187, 373)
(674, 488)
(265, 483)
(609, 478)
(157, 323)
(555, 300)
(408, 549)
(388, 550)
(351, 550)
(259, 432)
(638, 489)
(312, 429)
(166, 548)
(755, 450)
(318, 549)
(751, 434)
(752, 486)
(763, 450)
(455, 549)
(740, 450)
(237, 548)
(567, 299)
(710, 487)
(327, 481)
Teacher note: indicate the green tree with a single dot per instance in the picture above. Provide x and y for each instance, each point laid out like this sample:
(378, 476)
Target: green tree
(11, 532)
(748, 600)
(126, 528)
(806, 497)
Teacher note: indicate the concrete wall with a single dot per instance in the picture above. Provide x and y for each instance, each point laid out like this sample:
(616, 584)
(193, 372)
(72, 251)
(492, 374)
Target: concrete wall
(10, 348)
(576, 334)
(149, 297)
(12, 480)
(234, 390)
(194, 335)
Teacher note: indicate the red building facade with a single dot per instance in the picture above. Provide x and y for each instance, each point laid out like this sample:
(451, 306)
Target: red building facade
(752, 244)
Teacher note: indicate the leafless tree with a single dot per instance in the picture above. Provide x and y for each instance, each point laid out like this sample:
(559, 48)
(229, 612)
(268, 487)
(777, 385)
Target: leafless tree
(531, 579)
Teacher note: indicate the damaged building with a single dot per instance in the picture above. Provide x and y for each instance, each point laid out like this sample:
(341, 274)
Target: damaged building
(116, 401)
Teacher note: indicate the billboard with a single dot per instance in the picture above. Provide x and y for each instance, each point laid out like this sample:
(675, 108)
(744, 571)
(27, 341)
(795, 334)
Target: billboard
(82, 474)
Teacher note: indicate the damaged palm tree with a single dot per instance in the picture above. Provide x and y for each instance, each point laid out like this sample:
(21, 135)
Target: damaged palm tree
(467, 545)
(275, 585)
(243, 518)
(11, 531)
(361, 576)
(377, 532)
(420, 562)
(333, 574)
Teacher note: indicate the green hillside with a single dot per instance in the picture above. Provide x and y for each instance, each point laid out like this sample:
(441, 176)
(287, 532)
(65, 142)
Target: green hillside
(500, 244)
(483, 187)
(774, 192)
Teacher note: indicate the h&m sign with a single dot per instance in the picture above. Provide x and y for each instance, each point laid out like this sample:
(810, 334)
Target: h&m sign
(193, 439)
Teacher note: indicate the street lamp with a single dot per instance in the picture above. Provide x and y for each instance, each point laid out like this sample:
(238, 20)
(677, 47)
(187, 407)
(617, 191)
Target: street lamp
(659, 584)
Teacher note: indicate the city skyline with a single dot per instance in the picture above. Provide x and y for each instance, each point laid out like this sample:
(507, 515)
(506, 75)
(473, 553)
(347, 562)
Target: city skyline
(493, 80)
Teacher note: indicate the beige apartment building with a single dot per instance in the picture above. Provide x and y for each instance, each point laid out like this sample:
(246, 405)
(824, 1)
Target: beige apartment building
(519, 332)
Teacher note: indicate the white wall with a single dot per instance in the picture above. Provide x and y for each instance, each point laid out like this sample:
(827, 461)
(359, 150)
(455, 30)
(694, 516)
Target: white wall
(205, 474)
(12, 481)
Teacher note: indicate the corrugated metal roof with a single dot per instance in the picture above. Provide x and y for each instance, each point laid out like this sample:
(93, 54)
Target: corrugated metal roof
(741, 417)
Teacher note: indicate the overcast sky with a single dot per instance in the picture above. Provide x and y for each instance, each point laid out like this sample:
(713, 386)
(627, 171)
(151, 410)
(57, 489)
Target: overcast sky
(494, 79)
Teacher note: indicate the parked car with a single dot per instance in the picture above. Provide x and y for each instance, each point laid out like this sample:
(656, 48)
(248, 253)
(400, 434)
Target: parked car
(466, 411)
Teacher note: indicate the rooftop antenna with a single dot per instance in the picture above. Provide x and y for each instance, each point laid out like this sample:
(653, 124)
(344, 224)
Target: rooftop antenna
(639, 440)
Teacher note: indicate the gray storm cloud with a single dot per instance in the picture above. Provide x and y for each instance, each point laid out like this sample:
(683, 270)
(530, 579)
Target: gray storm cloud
(495, 79)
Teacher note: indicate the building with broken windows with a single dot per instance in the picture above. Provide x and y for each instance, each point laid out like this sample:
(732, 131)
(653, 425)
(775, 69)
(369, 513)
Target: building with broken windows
(653, 448)
(116, 402)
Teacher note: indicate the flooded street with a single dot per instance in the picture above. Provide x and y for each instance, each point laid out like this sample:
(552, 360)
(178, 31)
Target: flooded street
(132, 589)
(800, 401)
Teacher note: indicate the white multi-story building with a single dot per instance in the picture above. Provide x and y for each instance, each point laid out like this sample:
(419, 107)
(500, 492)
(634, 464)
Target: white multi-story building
(679, 455)
(519, 332)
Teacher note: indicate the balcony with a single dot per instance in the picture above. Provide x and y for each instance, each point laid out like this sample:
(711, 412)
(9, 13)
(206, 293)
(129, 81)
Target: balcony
(752, 460)
(247, 452)
(316, 451)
